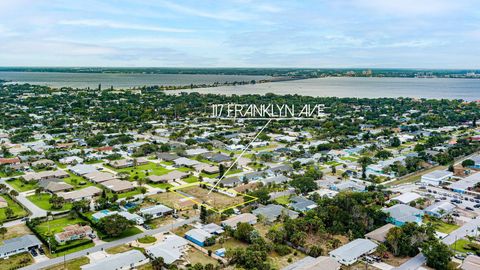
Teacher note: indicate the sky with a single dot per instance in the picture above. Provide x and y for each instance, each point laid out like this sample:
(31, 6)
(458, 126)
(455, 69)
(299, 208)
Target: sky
(241, 33)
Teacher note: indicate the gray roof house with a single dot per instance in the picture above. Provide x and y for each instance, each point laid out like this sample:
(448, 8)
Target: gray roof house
(167, 156)
(18, 245)
(125, 260)
(273, 211)
(311, 263)
(275, 179)
(439, 209)
(231, 181)
(82, 169)
(349, 253)
(401, 214)
(302, 204)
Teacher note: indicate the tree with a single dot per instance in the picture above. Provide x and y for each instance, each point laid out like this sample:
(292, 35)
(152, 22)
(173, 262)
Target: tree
(221, 171)
(114, 225)
(158, 263)
(9, 213)
(56, 201)
(383, 154)
(438, 254)
(243, 232)
(14, 193)
(304, 184)
(3, 231)
(364, 161)
(395, 142)
(468, 163)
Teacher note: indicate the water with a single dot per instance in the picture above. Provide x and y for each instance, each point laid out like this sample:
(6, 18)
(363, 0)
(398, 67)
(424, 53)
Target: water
(118, 80)
(437, 88)
(467, 89)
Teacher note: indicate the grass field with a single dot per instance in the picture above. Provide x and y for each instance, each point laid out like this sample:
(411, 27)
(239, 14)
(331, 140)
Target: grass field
(461, 245)
(147, 239)
(283, 200)
(441, 226)
(18, 210)
(16, 261)
(71, 265)
(56, 225)
(129, 232)
(214, 200)
(118, 249)
(143, 171)
(21, 186)
(195, 256)
(42, 202)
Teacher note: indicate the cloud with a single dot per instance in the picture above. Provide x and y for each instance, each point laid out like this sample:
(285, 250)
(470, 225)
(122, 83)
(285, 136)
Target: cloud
(224, 15)
(123, 26)
(411, 8)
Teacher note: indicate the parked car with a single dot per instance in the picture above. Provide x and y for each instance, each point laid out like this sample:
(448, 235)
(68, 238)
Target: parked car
(477, 205)
(469, 208)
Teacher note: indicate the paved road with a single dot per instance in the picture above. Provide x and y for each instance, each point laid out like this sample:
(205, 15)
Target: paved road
(469, 228)
(107, 245)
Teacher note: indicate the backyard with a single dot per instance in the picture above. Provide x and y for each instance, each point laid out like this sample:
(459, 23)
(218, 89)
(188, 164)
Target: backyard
(200, 194)
(22, 186)
(42, 201)
(18, 211)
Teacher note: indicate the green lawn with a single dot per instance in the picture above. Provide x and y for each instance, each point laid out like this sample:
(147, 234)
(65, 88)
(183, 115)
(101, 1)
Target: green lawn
(18, 210)
(284, 200)
(3, 174)
(147, 239)
(160, 185)
(16, 261)
(71, 265)
(21, 186)
(77, 182)
(215, 175)
(190, 179)
(143, 171)
(127, 233)
(442, 227)
(461, 245)
(129, 193)
(42, 202)
(56, 225)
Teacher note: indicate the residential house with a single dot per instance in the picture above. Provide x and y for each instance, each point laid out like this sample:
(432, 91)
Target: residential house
(37, 176)
(73, 232)
(167, 157)
(349, 253)
(185, 162)
(242, 218)
(126, 163)
(198, 236)
(400, 214)
(231, 181)
(311, 263)
(379, 235)
(302, 204)
(118, 186)
(156, 211)
(71, 160)
(171, 249)
(169, 177)
(213, 228)
(206, 168)
(272, 212)
(439, 209)
(82, 169)
(126, 260)
(82, 194)
(19, 245)
(407, 197)
(466, 184)
(436, 177)
(99, 177)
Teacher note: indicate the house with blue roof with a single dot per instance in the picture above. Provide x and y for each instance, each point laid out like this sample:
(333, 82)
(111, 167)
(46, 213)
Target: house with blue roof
(400, 214)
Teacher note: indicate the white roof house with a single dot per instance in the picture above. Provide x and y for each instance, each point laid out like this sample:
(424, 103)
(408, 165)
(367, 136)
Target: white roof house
(242, 218)
(125, 260)
(439, 209)
(171, 249)
(351, 252)
(407, 197)
(435, 178)
(82, 169)
(464, 184)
